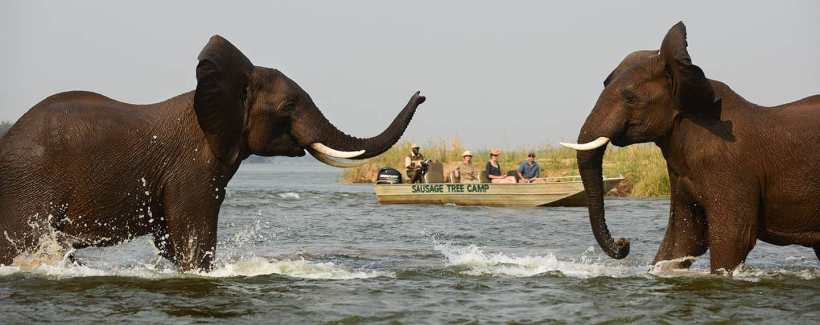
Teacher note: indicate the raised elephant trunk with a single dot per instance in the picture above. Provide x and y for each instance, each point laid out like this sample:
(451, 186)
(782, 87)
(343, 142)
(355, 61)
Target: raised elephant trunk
(326, 141)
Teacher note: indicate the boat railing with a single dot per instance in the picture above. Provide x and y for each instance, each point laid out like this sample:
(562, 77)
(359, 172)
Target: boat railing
(575, 178)
(561, 179)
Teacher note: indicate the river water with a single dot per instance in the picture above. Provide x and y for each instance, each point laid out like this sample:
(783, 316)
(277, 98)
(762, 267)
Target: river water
(297, 247)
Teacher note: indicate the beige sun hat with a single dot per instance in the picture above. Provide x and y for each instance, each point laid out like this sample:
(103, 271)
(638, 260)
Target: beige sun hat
(414, 146)
(467, 153)
(495, 152)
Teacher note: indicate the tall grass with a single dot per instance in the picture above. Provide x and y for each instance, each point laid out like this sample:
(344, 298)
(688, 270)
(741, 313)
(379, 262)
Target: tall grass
(642, 165)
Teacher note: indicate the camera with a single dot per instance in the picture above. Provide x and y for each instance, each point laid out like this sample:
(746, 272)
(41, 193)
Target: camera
(418, 177)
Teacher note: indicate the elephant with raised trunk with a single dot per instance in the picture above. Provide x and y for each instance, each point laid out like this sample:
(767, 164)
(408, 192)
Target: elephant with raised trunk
(738, 172)
(86, 170)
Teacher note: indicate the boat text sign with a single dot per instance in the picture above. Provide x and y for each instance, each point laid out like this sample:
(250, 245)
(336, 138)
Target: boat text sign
(450, 188)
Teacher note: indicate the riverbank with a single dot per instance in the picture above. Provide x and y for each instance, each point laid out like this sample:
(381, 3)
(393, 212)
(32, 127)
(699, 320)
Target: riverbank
(642, 165)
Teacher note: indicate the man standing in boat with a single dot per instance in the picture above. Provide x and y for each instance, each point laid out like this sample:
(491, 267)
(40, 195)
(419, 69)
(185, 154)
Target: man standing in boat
(528, 170)
(465, 172)
(412, 163)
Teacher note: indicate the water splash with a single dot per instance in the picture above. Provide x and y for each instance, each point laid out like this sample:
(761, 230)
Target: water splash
(246, 267)
(139, 258)
(289, 195)
(297, 268)
(754, 274)
(51, 248)
(670, 269)
(673, 267)
(476, 262)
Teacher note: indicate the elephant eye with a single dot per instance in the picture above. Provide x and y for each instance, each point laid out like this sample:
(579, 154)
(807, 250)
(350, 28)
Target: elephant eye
(629, 97)
(287, 106)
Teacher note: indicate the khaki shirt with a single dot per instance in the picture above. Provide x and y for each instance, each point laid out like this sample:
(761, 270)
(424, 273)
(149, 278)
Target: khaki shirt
(467, 174)
(414, 159)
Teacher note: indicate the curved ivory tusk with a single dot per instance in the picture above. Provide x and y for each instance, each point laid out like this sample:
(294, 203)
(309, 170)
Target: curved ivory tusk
(587, 146)
(319, 147)
(336, 162)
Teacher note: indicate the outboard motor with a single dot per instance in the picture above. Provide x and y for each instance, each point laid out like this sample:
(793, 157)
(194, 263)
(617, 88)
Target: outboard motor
(388, 175)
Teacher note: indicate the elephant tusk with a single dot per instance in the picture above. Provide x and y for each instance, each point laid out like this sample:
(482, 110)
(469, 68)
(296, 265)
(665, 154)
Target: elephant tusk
(587, 146)
(319, 147)
(336, 162)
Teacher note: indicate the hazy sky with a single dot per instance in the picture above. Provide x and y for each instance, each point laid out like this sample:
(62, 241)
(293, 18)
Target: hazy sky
(497, 73)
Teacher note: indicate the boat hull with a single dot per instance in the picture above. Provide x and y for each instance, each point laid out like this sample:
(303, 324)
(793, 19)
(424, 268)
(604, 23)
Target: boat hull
(557, 193)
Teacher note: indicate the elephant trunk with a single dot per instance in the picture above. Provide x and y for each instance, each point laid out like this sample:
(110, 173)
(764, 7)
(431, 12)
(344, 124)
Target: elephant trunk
(324, 139)
(590, 166)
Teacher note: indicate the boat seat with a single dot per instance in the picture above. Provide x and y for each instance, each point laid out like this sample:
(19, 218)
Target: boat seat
(435, 172)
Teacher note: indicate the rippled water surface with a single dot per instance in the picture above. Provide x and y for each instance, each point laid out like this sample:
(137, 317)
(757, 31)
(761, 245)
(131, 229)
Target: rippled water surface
(296, 247)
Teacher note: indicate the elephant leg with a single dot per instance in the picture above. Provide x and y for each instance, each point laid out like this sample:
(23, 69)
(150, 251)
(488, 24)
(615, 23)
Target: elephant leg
(732, 232)
(16, 239)
(189, 237)
(8, 246)
(191, 241)
(686, 236)
(162, 243)
(686, 232)
(7, 252)
(817, 251)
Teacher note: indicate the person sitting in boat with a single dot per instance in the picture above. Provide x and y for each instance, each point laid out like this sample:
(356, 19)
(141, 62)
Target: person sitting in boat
(494, 169)
(528, 170)
(412, 162)
(465, 172)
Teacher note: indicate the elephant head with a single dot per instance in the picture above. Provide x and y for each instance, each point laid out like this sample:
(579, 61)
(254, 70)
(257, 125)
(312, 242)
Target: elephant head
(245, 109)
(641, 99)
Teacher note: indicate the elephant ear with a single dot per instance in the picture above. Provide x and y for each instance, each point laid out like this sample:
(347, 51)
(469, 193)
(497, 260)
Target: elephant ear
(690, 88)
(219, 101)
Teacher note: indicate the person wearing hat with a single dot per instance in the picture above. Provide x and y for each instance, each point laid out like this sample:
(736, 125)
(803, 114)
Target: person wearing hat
(494, 169)
(412, 163)
(528, 170)
(465, 172)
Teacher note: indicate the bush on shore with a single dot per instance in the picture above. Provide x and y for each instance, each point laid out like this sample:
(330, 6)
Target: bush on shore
(642, 165)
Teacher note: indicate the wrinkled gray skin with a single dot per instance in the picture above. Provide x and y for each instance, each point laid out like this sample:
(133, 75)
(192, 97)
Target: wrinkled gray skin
(738, 172)
(87, 170)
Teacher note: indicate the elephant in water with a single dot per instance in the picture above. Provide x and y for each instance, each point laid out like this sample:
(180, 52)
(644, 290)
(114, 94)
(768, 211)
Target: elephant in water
(86, 170)
(738, 172)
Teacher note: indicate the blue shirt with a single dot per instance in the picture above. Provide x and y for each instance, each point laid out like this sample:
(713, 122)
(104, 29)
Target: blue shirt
(529, 171)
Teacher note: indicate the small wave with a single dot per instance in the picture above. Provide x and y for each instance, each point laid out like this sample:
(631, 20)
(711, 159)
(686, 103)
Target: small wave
(742, 273)
(289, 195)
(477, 263)
(667, 269)
(297, 268)
(672, 268)
(753, 274)
(76, 271)
(253, 266)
